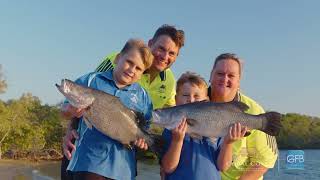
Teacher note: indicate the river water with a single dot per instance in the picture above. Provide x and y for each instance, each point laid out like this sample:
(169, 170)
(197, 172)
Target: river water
(151, 171)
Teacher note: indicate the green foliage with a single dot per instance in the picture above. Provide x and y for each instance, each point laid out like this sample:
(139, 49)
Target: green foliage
(3, 84)
(299, 131)
(29, 127)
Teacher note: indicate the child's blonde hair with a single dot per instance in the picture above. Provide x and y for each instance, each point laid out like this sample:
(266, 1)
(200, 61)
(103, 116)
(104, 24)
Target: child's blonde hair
(142, 48)
(192, 78)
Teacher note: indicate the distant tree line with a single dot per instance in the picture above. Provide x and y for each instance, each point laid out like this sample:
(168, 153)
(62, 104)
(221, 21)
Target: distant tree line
(299, 132)
(3, 84)
(29, 129)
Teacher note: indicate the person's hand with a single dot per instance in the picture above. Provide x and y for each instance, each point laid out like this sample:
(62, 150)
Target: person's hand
(70, 111)
(68, 145)
(236, 132)
(179, 132)
(140, 143)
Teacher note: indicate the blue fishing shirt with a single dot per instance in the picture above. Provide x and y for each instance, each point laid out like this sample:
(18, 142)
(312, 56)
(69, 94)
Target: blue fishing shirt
(98, 153)
(198, 158)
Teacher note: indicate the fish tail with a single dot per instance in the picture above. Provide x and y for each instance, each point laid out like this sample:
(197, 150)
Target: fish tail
(272, 123)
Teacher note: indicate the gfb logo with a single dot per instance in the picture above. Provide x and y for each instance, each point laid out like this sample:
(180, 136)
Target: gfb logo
(295, 159)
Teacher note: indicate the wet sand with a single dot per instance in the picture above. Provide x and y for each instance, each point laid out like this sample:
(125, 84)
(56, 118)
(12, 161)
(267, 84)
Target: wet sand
(22, 170)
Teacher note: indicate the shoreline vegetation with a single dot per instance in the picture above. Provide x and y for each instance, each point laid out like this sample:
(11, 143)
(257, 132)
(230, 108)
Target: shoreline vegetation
(32, 131)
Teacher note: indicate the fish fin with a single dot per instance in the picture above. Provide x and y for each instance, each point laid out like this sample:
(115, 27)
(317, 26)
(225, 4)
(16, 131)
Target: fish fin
(272, 123)
(155, 143)
(89, 125)
(237, 106)
(191, 122)
(195, 136)
(140, 119)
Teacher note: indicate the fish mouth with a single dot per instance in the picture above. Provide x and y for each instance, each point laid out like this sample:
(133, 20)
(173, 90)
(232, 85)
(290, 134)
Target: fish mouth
(58, 86)
(75, 95)
(63, 88)
(64, 85)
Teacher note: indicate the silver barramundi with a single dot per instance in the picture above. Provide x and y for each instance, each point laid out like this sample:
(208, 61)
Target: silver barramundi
(106, 113)
(213, 120)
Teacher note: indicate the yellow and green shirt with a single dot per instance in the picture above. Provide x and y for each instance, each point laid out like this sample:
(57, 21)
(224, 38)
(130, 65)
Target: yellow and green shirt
(257, 148)
(161, 90)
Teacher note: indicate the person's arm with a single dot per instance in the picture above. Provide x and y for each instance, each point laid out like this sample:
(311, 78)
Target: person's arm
(68, 140)
(69, 112)
(254, 172)
(170, 89)
(171, 158)
(72, 113)
(263, 155)
(236, 132)
(225, 156)
(107, 63)
(140, 143)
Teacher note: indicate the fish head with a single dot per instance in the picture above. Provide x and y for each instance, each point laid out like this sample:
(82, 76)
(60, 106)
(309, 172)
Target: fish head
(77, 95)
(168, 118)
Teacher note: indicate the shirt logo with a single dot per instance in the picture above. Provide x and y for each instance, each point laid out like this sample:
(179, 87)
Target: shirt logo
(134, 98)
(162, 88)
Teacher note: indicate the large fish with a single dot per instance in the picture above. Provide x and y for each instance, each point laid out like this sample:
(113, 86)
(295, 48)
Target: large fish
(106, 113)
(213, 120)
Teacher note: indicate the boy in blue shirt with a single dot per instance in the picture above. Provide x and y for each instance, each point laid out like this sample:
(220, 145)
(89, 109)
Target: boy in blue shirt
(189, 158)
(97, 156)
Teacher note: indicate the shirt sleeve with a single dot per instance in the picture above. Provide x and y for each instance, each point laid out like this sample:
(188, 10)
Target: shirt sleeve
(171, 93)
(107, 63)
(171, 100)
(147, 111)
(262, 148)
(83, 80)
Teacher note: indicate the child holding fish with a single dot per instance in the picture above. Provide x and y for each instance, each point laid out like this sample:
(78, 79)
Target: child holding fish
(186, 157)
(97, 155)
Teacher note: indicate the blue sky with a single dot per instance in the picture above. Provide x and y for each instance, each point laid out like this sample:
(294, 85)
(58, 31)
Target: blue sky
(42, 42)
